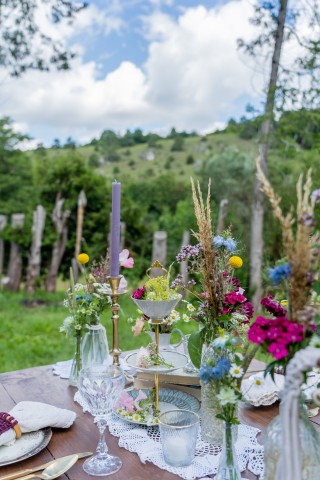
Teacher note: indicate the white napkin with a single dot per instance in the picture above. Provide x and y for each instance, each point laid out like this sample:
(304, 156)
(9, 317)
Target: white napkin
(33, 416)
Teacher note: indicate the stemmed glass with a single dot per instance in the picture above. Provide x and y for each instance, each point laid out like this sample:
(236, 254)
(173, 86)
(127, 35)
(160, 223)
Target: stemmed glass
(100, 387)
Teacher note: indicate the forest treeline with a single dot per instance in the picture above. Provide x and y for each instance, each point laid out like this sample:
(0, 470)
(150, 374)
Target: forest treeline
(156, 193)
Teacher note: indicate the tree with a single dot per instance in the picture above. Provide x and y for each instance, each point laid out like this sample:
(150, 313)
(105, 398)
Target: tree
(277, 24)
(24, 45)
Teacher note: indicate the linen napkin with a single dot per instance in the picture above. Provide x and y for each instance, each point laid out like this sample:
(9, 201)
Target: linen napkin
(33, 416)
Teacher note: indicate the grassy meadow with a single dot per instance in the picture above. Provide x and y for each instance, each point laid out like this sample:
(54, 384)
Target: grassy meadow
(29, 332)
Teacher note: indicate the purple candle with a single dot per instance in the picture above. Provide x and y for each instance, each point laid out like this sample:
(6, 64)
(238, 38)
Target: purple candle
(115, 230)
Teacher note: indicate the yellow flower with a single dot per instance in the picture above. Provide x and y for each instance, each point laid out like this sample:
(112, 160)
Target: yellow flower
(235, 262)
(83, 258)
(284, 303)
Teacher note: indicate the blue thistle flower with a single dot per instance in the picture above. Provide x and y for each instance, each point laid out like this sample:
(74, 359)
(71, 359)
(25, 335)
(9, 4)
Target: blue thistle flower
(230, 244)
(218, 241)
(280, 272)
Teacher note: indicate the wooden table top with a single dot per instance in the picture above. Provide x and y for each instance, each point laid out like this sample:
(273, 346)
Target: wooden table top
(39, 384)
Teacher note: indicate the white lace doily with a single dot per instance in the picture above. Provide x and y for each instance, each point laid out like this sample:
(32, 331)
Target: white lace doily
(145, 441)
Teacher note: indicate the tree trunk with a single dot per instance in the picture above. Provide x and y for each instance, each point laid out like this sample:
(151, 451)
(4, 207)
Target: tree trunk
(15, 260)
(3, 223)
(60, 221)
(223, 208)
(256, 243)
(33, 272)
(82, 203)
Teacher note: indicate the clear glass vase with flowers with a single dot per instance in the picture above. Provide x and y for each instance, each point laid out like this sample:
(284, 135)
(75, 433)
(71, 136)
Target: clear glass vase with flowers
(220, 303)
(86, 302)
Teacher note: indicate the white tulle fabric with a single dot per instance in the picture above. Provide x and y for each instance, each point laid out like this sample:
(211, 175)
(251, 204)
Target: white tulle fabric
(145, 441)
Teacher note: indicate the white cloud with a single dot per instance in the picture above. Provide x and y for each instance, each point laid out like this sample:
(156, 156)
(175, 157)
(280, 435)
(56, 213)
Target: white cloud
(192, 79)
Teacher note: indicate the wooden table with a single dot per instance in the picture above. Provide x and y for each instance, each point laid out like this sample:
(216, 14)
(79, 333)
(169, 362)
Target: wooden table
(39, 384)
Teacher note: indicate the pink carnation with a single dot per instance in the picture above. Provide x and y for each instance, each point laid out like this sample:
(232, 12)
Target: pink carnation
(256, 334)
(277, 350)
(233, 298)
(139, 293)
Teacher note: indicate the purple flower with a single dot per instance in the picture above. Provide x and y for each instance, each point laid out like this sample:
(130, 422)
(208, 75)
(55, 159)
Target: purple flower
(307, 219)
(188, 252)
(316, 195)
(139, 293)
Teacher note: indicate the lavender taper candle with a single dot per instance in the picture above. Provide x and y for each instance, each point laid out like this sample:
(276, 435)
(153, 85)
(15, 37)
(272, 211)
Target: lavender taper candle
(115, 230)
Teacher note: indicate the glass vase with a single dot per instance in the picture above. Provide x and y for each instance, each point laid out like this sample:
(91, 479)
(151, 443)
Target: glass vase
(94, 350)
(211, 427)
(76, 363)
(228, 468)
(309, 444)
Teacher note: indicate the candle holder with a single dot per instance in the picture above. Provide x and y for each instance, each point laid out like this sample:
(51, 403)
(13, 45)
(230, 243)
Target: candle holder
(115, 307)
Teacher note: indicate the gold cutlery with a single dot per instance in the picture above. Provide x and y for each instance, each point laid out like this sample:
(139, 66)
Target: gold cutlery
(21, 473)
(54, 470)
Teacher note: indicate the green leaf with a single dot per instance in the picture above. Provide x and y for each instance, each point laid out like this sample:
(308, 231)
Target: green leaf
(195, 348)
(316, 287)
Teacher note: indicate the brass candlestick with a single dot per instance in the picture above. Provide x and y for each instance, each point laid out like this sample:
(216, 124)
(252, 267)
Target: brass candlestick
(156, 324)
(115, 307)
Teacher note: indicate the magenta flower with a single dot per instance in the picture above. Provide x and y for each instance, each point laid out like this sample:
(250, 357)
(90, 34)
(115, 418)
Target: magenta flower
(277, 350)
(139, 293)
(233, 298)
(248, 310)
(272, 306)
(256, 334)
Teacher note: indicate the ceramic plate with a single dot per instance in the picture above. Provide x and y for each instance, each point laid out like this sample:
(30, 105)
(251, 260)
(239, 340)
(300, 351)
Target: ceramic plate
(29, 444)
(176, 359)
(168, 400)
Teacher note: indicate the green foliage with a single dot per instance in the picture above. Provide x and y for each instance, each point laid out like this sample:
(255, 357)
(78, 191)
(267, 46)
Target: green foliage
(24, 44)
(178, 144)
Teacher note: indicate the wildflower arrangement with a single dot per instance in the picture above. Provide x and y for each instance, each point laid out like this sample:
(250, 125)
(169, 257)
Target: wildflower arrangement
(148, 356)
(156, 289)
(224, 371)
(139, 409)
(86, 301)
(212, 263)
(294, 321)
(139, 324)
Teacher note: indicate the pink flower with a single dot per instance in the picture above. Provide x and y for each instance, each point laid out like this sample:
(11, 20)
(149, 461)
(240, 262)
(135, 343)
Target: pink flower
(141, 396)
(123, 283)
(126, 401)
(138, 294)
(256, 334)
(248, 310)
(234, 297)
(278, 350)
(125, 260)
(138, 327)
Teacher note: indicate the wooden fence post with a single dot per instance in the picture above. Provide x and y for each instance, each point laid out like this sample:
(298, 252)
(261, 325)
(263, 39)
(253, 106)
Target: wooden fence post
(159, 247)
(60, 221)
(15, 259)
(33, 271)
(3, 223)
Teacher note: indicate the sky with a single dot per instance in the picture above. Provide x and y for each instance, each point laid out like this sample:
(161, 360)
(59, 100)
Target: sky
(149, 64)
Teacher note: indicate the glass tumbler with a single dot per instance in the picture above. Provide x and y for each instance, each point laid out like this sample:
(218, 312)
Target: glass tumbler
(178, 434)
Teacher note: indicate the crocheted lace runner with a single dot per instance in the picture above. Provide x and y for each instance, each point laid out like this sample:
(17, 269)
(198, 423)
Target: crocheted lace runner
(145, 441)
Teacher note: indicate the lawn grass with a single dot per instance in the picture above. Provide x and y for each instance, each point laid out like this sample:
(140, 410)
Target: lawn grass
(29, 336)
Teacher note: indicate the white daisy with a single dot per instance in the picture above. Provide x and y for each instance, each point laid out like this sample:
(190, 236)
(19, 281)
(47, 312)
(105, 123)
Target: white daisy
(174, 316)
(257, 381)
(190, 307)
(185, 317)
(235, 371)
(136, 417)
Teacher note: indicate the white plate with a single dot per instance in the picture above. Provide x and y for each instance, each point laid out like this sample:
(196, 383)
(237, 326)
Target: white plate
(29, 444)
(178, 360)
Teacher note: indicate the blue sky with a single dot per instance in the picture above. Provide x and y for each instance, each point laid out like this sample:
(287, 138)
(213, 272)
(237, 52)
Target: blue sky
(150, 64)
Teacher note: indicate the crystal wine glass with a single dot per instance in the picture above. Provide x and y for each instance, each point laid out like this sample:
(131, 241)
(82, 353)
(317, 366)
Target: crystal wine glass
(100, 386)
